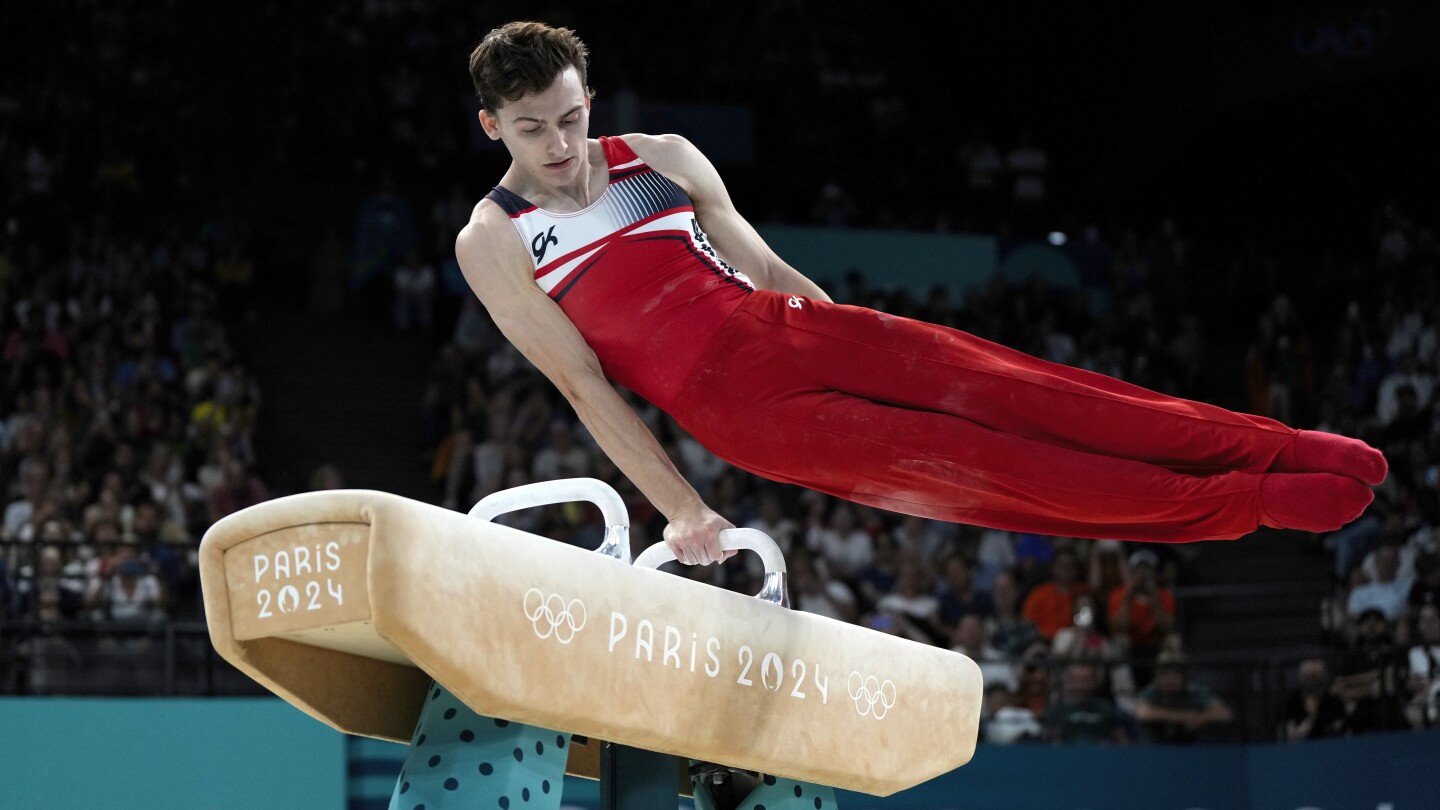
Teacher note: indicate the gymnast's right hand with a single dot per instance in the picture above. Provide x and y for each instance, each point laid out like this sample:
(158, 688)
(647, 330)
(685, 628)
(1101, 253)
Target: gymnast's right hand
(694, 535)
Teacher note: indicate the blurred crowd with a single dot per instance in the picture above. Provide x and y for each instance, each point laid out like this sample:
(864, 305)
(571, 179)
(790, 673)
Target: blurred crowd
(127, 419)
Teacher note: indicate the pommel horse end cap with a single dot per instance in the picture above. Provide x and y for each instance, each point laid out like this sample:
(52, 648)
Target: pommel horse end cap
(347, 603)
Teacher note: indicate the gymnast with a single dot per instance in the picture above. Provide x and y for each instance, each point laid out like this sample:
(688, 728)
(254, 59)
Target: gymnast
(623, 260)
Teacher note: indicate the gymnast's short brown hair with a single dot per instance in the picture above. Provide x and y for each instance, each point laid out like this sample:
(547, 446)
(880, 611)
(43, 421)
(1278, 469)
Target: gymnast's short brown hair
(524, 57)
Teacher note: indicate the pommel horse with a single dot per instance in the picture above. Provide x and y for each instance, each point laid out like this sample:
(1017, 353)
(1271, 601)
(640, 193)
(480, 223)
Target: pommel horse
(367, 611)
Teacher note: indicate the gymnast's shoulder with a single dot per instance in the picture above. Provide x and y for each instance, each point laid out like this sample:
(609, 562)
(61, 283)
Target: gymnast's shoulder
(664, 153)
(489, 243)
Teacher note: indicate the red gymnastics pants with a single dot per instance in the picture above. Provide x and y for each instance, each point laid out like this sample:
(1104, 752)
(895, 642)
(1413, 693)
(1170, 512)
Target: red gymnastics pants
(935, 422)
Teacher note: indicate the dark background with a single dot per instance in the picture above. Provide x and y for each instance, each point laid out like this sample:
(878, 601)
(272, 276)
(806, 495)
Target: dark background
(1296, 121)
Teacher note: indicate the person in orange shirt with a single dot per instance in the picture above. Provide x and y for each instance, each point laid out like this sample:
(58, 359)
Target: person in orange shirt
(1050, 605)
(1143, 611)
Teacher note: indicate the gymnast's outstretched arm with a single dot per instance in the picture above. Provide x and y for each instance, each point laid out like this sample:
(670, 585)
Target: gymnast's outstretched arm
(733, 237)
(499, 272)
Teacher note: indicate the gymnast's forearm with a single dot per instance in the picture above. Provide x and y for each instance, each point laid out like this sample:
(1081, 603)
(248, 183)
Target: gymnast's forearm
(630, 445)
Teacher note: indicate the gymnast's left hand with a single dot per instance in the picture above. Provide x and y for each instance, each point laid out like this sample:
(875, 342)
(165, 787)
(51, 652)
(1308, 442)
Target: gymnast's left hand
(694, 535)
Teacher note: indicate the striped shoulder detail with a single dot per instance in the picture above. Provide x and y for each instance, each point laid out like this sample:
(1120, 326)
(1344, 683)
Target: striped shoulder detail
(509, 202)
(618, 154)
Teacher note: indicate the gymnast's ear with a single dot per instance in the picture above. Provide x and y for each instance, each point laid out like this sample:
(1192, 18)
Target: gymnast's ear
(490, 123)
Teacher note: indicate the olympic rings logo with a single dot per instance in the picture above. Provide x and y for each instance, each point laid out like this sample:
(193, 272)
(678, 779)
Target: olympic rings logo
(553, 616)
(870, 695)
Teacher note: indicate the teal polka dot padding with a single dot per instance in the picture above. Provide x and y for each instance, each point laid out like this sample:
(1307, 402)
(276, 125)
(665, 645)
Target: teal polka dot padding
(776, 794)
(458, 758)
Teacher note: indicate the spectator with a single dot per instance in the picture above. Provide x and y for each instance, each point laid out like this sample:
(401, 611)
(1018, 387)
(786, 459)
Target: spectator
(1365, 680)
(1422, 685)
(1082, 715)
(1082, 638)
(1051, 605)
(843, 547)
(35, 481)
(1174, 709)
(1408, 374)
(46, 592)
(813, 595)
(239, 490)
(1009, 632)
(562, 457)
(1142, 612)
(771, 519)
(1107, 568)
(414, 294)
(1388, 592)
(967, 637)
(911, 598)
(1426, 590)
(1005, 721)
(922, 540)
(1312, 711)
(958, 595)
(995, 554)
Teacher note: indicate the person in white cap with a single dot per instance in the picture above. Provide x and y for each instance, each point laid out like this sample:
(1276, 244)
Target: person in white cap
(1142, 612)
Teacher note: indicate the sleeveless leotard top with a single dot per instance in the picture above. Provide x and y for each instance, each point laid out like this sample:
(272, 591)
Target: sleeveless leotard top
(634, 273)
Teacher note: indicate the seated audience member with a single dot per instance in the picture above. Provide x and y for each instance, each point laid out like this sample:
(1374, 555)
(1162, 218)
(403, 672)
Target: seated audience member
(911, 599)
(1010, 632)
(1005, 721)
(958, 594)
(879, 576)
(1422, 682)
(1033, 690)
(845, 548)
(1312, 711)
(1426, 590)
(1107, 566)
(1051, 605)
(814, 595)
(1173, 709)
(1388, 592)
(1143, 611)
(1082, 638)
(771, 519)
(967, 637)
(1082, 714)
(48, 584)
(1365, 678)
(239, 489)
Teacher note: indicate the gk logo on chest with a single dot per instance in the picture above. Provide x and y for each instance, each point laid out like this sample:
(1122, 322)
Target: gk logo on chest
(541, 242)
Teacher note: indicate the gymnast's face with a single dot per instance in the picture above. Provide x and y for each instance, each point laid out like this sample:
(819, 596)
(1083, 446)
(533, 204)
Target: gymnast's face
(546, 131)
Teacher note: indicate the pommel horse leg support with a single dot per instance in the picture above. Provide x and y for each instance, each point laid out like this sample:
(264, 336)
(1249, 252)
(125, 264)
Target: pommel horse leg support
(458, 758)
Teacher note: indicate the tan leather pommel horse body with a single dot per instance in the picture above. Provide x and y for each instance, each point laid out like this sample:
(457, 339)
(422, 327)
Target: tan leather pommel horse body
(347, 603)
